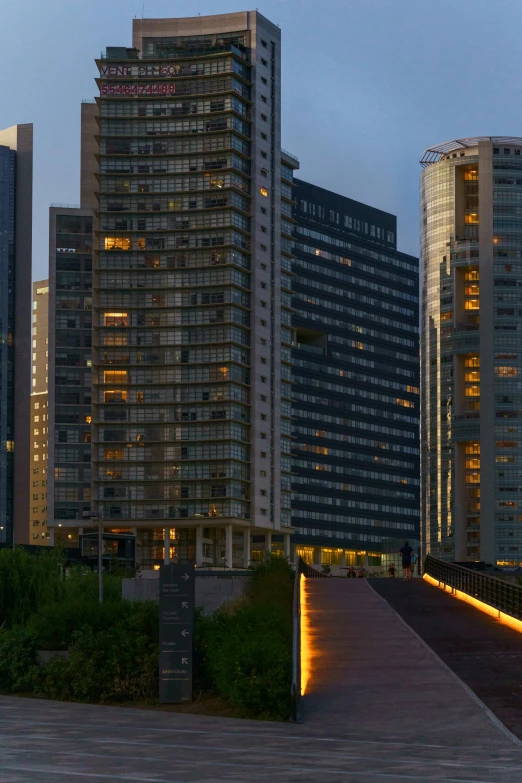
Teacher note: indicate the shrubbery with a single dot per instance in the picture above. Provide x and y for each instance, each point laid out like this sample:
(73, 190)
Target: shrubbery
(112, 655)
(243, 651)
(246, 650)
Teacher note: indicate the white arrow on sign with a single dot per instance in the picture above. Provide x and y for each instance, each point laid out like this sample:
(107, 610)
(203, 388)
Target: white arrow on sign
(184, 660)
(185, 577)
(185, 632)
(184, 604)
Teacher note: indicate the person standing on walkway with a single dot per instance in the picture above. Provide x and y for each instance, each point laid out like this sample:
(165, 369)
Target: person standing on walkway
(414, 559)
(361, 571)
(406, 552)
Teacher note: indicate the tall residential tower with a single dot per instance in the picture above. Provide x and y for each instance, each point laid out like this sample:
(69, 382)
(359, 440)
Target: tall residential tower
(181, 163)
(471, 349)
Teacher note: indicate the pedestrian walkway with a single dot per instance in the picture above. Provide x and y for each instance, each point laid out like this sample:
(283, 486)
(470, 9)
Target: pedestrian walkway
(484, 652)
(371, 674)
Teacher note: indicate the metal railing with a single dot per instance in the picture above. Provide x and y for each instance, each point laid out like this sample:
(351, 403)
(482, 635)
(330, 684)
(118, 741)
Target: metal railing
(498, 593)
(301, 569)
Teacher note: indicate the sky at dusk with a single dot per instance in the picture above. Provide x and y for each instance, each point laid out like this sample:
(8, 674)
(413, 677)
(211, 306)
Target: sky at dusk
(367, 86)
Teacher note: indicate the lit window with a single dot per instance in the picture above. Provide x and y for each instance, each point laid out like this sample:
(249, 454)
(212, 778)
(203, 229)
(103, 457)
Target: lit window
(405, 403)
(117, 243)
(472, 304)
(113, 453)
(264, 192)
(115, 376)
(472, 391)
(506, 371)
(115, 319)
(116, 395)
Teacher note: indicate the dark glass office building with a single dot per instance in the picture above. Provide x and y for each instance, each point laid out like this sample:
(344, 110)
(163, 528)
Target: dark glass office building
(70, 376)
(16, 166)
(356, 382)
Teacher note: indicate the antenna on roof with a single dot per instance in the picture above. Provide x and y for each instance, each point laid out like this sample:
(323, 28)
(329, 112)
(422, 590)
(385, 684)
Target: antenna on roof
(142, 10)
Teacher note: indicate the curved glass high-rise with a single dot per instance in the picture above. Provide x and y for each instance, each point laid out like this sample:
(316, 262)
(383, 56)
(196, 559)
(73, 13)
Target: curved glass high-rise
(471, 350)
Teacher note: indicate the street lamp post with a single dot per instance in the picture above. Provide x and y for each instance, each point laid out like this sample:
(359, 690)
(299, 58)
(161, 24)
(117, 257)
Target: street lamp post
(100, 557)
(95, 518)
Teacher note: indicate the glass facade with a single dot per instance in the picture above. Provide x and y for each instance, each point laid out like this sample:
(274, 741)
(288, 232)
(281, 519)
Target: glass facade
(71, 363)
(38, 532)
(356, 393)
(471, 251)
(7, 283)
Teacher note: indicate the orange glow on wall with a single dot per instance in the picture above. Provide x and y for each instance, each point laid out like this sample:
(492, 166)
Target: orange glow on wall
(306, 652)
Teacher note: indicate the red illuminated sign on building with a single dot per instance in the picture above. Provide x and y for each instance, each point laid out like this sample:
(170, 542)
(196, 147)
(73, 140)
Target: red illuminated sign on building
(137, 89)
(140, 71)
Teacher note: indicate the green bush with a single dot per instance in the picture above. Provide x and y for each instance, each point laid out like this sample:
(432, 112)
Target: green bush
(243, 652)
(54, 625)
(81, 582)
(117, 663)
(27, 581)
(18, 661)
(272, 584)
(248, 658)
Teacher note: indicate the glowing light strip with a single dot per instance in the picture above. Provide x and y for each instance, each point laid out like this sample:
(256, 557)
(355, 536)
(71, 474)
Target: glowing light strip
(306, 654)
(496, 614)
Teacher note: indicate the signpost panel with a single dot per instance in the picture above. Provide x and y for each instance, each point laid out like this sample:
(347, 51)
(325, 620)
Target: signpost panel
(176, 633)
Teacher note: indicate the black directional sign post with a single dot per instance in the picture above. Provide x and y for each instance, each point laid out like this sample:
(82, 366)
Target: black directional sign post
(176, 630)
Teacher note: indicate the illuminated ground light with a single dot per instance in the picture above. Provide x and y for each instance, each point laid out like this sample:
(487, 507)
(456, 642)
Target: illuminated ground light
(504, 618)
(306, 653)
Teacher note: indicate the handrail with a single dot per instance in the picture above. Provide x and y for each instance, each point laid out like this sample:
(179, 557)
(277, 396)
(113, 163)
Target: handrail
(498, 593)
(305, 570)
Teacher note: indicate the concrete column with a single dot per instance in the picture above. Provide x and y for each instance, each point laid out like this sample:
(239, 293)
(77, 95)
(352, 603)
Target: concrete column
(228, 546)
(287, 545)
(199, 546)
(343, 559)
(317, 555)
(51, 536)
(246, 547)
(166, 545)
(268, 541)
